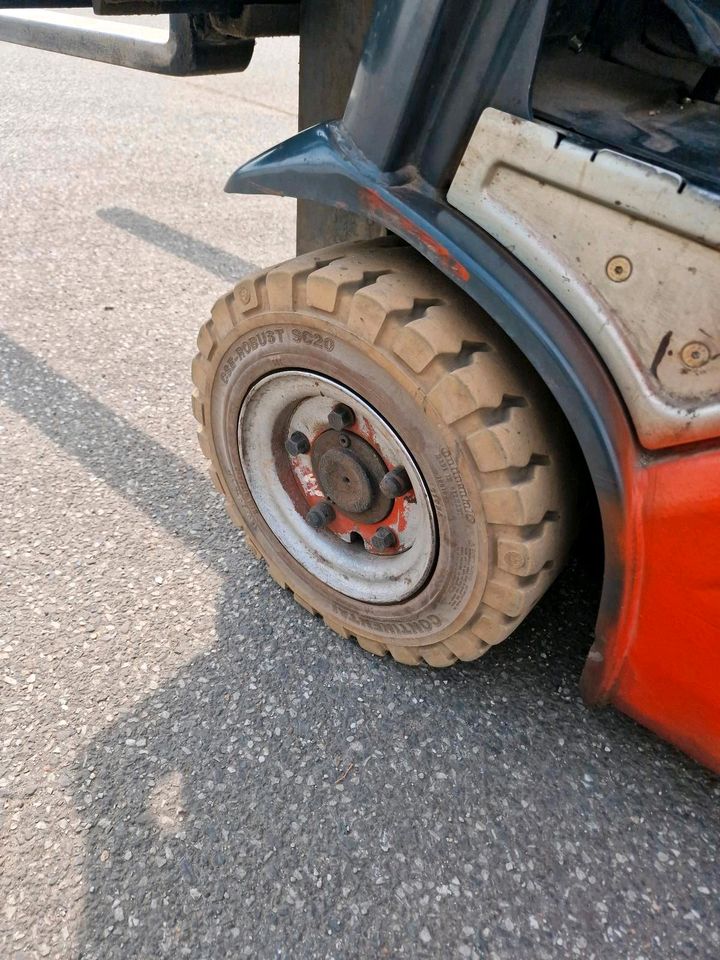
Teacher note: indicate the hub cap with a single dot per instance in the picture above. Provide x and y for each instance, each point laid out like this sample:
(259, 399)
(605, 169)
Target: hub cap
(341, 466)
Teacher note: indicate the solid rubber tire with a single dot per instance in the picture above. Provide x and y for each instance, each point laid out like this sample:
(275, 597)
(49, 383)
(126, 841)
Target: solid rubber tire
(489, 440)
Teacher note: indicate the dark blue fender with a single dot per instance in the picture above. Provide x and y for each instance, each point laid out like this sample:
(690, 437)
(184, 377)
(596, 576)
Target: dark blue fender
(323, 164)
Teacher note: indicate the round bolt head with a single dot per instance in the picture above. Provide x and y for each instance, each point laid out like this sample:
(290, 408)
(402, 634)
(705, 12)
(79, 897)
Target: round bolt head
(695, 354)
(383, 539)
(320, 515)
(395, 483)
(297, 443)
(618, 269)
(341, 416)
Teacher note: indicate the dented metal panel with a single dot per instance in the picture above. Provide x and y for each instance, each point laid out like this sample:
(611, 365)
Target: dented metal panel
(631, 250)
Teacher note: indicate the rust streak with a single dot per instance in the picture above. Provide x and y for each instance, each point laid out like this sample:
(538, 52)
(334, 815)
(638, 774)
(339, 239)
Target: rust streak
(374, 203)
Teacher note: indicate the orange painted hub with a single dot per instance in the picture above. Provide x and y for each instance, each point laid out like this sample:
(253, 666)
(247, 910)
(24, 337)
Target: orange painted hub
(345, 524)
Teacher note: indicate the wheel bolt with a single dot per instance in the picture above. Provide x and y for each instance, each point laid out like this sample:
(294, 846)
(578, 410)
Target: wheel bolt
(320, 515)
(383, 539)
(297, 443)
(395, 483)
(341, 416)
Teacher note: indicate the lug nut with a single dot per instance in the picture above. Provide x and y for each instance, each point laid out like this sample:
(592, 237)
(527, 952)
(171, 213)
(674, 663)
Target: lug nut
(383, 539)
(320, 515)
(395, 483)
(341, 416)
(297, 443)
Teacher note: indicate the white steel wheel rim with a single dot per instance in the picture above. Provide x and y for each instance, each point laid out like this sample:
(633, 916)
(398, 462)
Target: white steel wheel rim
(289, 401)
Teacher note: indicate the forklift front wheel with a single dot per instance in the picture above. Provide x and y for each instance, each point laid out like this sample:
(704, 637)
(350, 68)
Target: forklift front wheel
(386, 449)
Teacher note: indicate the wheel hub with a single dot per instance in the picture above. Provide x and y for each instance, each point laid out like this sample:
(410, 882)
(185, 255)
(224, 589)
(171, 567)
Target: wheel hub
(349, 471)
(321, 465)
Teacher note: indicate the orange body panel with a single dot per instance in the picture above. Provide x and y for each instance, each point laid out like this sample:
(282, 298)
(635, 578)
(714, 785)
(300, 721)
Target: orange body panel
(661, 664)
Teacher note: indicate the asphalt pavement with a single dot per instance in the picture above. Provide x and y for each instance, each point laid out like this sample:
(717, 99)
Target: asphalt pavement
(191, 765)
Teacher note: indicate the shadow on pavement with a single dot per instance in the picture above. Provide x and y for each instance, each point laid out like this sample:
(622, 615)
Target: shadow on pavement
(287, 795)
(223, 264)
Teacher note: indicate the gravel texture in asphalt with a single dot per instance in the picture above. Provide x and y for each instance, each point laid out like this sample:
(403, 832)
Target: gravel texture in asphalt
(191, 764)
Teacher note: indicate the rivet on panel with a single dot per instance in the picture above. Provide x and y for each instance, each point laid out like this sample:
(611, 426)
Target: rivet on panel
(618, 269)
(695, 354)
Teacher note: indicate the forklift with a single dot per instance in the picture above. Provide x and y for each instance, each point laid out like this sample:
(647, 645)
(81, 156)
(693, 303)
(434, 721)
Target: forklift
(502, 321)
